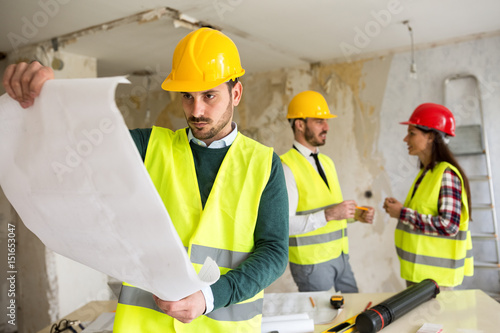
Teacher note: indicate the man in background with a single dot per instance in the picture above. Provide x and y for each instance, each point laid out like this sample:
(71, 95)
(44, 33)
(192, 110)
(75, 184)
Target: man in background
(318, 245)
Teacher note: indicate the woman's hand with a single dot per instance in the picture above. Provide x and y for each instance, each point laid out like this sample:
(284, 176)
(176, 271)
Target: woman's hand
(393, 207)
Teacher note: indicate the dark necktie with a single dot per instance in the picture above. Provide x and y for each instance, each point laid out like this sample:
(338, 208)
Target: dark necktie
(320, 169)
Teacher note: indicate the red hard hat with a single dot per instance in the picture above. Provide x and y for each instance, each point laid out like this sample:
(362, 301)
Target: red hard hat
(434, 116)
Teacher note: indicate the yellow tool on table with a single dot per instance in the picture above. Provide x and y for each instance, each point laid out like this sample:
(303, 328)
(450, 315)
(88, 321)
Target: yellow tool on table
(337, 301)
(373, 319)
(347, 326)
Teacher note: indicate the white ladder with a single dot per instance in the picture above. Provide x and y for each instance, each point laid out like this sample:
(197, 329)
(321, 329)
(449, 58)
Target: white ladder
(471, 143)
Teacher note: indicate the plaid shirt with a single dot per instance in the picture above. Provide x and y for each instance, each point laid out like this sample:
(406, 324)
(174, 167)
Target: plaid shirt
(450, 206)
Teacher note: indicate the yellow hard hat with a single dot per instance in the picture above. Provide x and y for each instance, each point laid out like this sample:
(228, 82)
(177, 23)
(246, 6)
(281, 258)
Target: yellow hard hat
(309, 104)
(202, 60)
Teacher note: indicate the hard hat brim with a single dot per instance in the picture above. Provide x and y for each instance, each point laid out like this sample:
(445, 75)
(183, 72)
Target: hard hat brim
(410, 123)
(187, 86)
(327, 116)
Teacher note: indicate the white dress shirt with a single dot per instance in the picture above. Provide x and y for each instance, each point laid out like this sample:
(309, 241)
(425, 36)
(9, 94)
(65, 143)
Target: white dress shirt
(300, 224)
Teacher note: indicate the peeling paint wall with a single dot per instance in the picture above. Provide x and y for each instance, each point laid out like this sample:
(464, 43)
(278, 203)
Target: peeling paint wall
(141, 101)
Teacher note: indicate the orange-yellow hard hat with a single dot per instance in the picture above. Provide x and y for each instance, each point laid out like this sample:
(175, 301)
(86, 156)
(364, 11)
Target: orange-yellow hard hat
(202, 60)
(309, 104)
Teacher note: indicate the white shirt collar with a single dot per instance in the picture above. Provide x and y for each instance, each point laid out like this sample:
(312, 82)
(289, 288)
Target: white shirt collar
(224, 142)
(303, 149)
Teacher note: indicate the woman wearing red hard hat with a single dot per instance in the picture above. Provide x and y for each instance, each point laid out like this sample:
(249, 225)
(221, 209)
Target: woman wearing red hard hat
(432, 235)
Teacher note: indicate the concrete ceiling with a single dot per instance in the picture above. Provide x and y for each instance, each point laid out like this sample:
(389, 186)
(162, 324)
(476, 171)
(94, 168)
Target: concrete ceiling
(270, 34)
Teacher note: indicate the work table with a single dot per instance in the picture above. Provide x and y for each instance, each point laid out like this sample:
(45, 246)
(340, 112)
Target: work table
(470, 310)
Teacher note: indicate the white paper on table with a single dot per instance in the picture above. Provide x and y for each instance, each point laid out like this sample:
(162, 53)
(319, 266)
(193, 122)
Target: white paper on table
(73, 173)
(296, 323)
(102, 324)
(280, 304)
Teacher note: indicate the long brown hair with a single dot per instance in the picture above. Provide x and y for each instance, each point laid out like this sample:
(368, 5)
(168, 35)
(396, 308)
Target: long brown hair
(441, 153)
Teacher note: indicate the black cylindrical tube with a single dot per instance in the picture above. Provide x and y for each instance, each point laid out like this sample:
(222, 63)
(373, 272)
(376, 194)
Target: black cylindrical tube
(381, 315)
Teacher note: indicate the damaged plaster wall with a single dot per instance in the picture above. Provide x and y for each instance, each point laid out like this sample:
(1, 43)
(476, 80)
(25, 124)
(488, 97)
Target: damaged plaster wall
(141, 101)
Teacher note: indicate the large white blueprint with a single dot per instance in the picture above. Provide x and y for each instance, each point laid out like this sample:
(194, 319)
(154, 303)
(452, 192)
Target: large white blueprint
(71, 170)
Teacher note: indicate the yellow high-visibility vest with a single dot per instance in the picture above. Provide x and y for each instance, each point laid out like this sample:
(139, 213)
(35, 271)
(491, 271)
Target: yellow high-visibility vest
(325, 243)
(445, 259)
(222, 230)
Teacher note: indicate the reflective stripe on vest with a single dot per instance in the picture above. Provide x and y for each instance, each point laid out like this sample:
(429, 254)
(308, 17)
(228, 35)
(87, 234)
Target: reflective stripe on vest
(311, 211)
(244, 171)
(461, 235)
(317, 239)
(430, 261)
(325, 243)
(445, 259)
(223, 258)
(130, 295)
(433, 261)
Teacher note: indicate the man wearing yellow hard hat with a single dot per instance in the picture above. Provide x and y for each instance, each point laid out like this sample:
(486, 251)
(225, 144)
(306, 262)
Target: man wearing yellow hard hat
(318, 245)
(225, 193)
